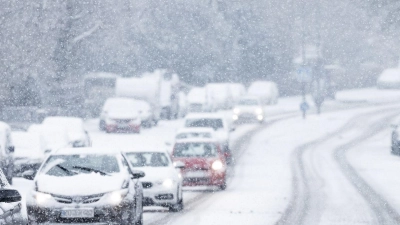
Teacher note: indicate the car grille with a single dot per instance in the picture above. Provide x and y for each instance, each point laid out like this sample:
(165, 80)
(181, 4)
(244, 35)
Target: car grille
(164, 197)
(78, 199)
(147, 185)
(197, 180)
(123, 120)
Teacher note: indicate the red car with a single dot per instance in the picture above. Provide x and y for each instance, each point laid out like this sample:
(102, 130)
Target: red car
(204, 161)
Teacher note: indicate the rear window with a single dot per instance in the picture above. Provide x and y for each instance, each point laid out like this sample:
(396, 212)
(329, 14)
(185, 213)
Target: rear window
(211, 123)
(204, 150)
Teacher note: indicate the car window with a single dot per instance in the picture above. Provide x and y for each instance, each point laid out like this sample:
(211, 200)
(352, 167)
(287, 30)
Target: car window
(193, 135)
(70, 165)
(212, 123)
(149, 159)
(248, 102)
(195, 150)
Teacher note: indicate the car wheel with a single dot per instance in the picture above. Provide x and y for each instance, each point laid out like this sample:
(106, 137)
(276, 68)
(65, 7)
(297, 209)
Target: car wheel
(102, 125)
(178, 206)
(222, 187)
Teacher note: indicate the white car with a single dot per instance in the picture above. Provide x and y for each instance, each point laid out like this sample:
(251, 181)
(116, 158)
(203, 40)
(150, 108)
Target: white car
(6, 151)
(55, 137)
(247, 109)
(145, 113)
(184, 133)
(120, 114)
(266, 91)
(162, 185)
(29, 151)
(390, 78)
(215, 121)
(76, 132)
(85, 185)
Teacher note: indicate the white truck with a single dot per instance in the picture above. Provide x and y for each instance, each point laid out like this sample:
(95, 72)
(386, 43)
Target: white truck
(266, 91)
(218, 97)
(159, 88)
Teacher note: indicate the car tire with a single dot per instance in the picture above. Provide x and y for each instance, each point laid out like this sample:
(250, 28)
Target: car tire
(222, 187)
(102, 125)
(178, 206)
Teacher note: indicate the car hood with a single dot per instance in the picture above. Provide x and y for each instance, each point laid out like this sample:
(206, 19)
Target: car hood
(197, 163)
(79, 185)
(154, 174)
(222, 136)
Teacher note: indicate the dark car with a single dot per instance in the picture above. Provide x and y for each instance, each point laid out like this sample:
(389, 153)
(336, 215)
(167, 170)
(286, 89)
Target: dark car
(86, 185)
(10, 204)
(395, 140)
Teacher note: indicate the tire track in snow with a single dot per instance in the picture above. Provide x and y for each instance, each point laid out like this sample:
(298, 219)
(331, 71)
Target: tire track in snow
(300, 206)
(240, 146)
(385, 214)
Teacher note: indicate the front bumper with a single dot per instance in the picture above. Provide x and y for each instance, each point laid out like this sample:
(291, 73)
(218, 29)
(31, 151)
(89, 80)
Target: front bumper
(117, 128)
(209, 179)
(105, 214)
(160, 195)
(245, 117)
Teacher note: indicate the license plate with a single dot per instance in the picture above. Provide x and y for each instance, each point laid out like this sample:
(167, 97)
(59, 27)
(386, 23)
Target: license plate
(77, 213)
(196, 174)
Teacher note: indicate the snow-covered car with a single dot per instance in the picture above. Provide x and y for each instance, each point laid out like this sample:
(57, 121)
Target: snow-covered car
(266, 91)
(85, 185)
(6, 151)
(204, 162)
(395, 145)
(29, 151)
(184, 133)
(76, 132)
(218, 123)
(55, 137)
(162, 185)
(120, 114)
(248, 109)
(11, 212)
(390, 78)
(145, 113)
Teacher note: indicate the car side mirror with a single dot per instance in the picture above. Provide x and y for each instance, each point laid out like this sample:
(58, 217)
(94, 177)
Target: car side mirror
(136, 174)
(232, 129)
(11, 149)
(29, 174)
(9, 195)
(167, 143)
(179, 165)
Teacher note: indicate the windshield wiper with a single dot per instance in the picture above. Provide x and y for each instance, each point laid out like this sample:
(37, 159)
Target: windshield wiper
(67, 171)
(91, 170)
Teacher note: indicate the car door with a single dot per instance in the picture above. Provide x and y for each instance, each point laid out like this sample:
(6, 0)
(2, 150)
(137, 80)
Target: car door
(10, 209)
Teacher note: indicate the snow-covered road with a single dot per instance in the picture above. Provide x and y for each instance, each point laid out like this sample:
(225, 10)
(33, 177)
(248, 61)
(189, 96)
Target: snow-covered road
(334, 168)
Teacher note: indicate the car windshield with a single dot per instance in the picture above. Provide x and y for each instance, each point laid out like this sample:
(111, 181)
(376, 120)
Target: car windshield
(212, 123)
(193, 135)
(70, 165)
(204, 150)
(148, 159)
(248, 102)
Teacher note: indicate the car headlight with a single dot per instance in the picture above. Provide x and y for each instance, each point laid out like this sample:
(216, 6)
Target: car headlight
(235, 117)
(259, 111)
(217, 165)
(260, 117)
(168, 183)
(236, 110)
(42, 198)
(115, 197)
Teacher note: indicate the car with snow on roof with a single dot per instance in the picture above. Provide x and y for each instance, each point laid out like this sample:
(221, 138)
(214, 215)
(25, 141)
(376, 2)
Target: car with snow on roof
(204, 162)
(162, 185)
(85, 185)
(218, 123)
